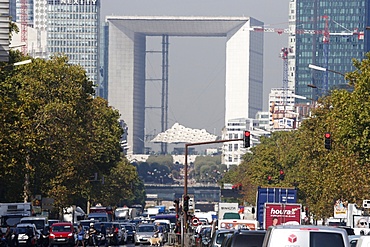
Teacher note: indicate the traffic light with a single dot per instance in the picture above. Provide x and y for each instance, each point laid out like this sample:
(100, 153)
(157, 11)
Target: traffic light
(176, 204)
(281, 175)
(328, 140)
(247, 139)
(186, 203)
(269, 181)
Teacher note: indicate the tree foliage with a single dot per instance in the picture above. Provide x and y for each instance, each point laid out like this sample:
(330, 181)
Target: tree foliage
(57, 136)
(322, 176)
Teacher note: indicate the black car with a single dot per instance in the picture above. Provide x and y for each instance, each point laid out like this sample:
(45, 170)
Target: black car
(246, 238)
(219, 235)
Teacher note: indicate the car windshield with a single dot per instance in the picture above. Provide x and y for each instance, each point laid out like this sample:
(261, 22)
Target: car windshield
(128, 227)
(11, 220)
(23, 230)
(220, 237)
(61, 229)
(146, 229)
(107, 225)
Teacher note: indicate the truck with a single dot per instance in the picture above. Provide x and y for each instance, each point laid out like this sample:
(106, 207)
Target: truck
(161, 209)
(11, 213)
(124, 213)
(272, 195)
(228, 208)
(100, 211)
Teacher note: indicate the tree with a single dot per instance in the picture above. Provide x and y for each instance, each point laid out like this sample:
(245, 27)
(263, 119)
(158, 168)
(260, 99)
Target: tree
(55, 135)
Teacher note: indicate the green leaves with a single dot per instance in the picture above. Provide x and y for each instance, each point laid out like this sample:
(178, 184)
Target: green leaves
(50, 119)
(321, 176)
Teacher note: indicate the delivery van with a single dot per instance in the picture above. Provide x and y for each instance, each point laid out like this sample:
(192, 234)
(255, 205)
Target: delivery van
(305, 236)
(363, 241)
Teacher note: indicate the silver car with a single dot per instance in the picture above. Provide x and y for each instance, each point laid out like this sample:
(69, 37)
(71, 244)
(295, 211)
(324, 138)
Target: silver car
(144, 232)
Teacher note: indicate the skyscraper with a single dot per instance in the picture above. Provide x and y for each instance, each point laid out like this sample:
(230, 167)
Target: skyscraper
(73, 29)
(328, 34)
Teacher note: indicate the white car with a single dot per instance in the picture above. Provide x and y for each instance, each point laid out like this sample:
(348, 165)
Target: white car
(143, 233)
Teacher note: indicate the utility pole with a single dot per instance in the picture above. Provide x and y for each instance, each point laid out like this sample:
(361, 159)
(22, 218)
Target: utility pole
(185, 218)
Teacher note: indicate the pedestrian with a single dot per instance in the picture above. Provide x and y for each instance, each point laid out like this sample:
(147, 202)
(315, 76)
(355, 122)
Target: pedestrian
(80, 236)
(178, 232)
(159, 232)
(103, 232)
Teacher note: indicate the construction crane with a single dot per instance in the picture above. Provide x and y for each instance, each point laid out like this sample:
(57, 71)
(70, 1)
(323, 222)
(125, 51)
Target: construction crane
(326, 40)
(284, 55)
(24, 25)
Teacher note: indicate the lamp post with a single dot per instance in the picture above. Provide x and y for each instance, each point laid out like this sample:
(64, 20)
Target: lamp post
(326, 70)
(315, 67)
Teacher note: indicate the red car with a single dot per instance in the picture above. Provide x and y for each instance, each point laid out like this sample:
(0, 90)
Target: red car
(62, 233)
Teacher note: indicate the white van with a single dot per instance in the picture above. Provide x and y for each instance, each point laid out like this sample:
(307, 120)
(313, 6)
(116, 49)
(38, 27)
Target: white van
(305, 236)
(363, 241)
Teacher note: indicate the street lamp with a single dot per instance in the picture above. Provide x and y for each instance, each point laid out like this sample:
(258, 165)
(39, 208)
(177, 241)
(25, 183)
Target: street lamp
(315, 67)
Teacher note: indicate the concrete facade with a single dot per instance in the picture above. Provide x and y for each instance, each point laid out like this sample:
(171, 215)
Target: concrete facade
(127, 58)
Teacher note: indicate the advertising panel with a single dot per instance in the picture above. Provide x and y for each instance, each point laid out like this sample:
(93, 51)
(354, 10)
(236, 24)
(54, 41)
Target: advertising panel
(282, 214)
(238, 224)
(340, 209)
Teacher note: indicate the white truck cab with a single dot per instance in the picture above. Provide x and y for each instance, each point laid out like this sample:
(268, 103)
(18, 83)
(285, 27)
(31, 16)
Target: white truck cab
(305, 236)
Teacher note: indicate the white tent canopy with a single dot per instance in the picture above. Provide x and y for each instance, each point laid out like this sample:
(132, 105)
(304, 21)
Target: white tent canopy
(180, 134)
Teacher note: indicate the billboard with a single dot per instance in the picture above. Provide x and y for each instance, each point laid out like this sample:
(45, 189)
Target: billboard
(282, 214)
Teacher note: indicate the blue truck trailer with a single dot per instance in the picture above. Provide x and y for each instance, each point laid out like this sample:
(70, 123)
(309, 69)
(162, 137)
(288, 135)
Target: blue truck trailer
(273, 195)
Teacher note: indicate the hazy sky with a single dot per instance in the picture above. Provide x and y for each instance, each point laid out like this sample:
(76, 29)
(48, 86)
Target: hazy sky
(197, 65)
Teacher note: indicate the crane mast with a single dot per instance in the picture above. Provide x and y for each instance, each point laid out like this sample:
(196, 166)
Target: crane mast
(284, 55)
(24, 24)
(326, 40)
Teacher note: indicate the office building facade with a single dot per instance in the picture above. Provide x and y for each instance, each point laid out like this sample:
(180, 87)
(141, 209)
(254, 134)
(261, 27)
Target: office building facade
(328, 34)
(73, 29)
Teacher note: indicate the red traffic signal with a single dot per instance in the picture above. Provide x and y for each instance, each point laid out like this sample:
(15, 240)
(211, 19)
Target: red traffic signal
(247, 139)
(281, 175)
(269, 181)
(327, 141)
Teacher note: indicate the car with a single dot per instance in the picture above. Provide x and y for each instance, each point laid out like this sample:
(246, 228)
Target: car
(144, 232)
(27, 234)
(62, 233)
(246, 238)
(42, 227)
(201, 234)
(219, 236)
(124, 233)
(86, 223)
(131, 232)
(166, 226)
(305, 235)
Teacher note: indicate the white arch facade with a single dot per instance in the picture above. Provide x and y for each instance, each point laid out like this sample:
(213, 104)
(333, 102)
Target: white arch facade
(127, 56)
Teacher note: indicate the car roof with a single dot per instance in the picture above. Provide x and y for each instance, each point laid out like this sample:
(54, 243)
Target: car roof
(308, 227)
(62, 224)
(34, 218)
(26, 225)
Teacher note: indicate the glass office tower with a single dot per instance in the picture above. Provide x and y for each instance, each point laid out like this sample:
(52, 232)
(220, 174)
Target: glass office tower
(329, 34)
(73, 29)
